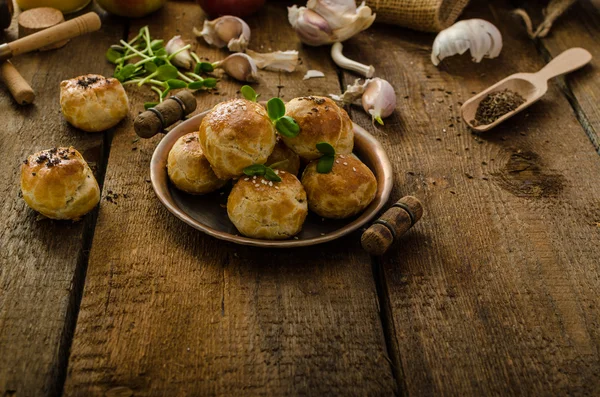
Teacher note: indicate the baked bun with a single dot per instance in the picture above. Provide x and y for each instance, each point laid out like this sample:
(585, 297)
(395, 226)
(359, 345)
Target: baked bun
(236, 134)
(269, 210)
(59, 184)
(93, 103)
(285, 158)
(347, 190)
(320, 120)
(189, 169)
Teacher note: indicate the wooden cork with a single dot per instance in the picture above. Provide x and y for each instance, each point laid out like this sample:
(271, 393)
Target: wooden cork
(6, 13)
(20, 90)
(170, 111)
(396, 221)
(37, 19)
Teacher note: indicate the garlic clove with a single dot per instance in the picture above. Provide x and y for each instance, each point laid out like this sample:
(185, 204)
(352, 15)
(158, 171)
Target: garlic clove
(352, 94)
(311, 28)
(286, 61)
(481, 37)
(379, 99)
(183, 58)
(345, 63)
(240, 66)
(313, 74)
(228, 31)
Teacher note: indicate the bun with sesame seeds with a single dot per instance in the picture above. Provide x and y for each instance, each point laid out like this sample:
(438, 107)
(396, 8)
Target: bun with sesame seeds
(345, 191)
(236, 134)
(93, 103)
(264, 209)
(320, 120)
(189, 169)
(59, 184)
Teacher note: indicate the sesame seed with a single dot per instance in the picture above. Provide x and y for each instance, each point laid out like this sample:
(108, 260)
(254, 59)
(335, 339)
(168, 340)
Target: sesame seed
(337, 161)
(254, 177)
(277, 172)
(345, 163)
(341, 156)
(354, 169)
(295, 237)
(277, 187)
(322, 234)
(246, 179)
(270, 183)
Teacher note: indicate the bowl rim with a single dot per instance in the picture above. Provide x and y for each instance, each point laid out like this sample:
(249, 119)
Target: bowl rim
(381, 168)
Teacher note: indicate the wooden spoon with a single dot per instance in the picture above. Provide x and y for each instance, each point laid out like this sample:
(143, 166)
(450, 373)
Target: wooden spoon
(531, 86)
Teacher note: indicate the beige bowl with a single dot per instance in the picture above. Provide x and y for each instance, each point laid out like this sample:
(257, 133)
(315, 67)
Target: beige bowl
(208, 213)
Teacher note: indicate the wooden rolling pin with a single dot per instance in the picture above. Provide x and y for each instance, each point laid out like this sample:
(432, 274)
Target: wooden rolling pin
(75, 27)
(166, 113)
(19, 88)
(396, 221)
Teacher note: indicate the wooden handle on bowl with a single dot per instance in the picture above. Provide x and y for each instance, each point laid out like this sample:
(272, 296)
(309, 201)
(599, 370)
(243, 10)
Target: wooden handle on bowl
(396, 221)
(166, 113)
(75, 27)
(19, 88)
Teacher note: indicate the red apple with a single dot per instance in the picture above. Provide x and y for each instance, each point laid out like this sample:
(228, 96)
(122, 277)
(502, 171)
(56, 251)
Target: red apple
(131, 8)
(238, 8)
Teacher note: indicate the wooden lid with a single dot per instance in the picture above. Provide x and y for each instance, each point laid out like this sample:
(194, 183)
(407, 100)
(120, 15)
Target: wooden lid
(36, 19)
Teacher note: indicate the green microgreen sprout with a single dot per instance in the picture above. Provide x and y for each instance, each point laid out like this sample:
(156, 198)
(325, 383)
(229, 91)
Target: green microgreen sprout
(262, 170)
(325, 163)
(145, 61)
(249, 93)
(285, 125)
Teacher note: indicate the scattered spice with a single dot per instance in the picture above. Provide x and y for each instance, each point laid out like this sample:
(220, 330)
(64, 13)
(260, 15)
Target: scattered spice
(496, 105)
(86, 81)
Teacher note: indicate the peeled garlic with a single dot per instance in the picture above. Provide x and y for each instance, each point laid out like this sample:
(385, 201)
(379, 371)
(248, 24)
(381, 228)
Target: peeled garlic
(276, 61)
(239, 66)
(326, 21)
(345, 63)
(377, 96)
(481, 37)
(228, 31)
(182, 58)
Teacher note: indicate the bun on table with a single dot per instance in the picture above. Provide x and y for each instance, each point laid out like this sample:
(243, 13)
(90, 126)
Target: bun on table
(59, 184)
(345, 191)
(236, 134)
(93, 103)
(189, 169)
(320, 120)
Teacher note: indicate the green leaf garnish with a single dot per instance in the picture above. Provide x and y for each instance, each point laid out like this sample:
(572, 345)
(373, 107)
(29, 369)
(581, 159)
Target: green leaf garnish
(175, 84)
(280, 164)
(287, 127)
(150, 67)
(166, 72)
(156, 45)
(210, 82)
(270, 175)
(325, 148)
(196, 85)
(125, 72)
(275, 108)
(113, 55)
(149, 105)
(203, 67)
(262, 170)
(325, 164)
(249, 93)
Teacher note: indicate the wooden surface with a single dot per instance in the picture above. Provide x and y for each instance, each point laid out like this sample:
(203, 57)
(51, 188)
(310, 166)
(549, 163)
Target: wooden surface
(495, 291)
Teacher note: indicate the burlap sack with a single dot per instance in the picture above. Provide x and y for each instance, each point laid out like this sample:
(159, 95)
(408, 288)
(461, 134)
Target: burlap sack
(424, 15)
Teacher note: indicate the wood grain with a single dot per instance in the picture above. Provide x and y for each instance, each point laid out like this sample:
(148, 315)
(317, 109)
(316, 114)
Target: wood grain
(169, 311)
(494, 292)
(42, 263)
(580, 27)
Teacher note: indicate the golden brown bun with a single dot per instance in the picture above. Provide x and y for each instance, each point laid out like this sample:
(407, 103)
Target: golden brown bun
(269, 210)
(285, 158)
(347, 190)
(189, 169)
(320, 120)
(59, 184)
(93, 103)
(236, 134)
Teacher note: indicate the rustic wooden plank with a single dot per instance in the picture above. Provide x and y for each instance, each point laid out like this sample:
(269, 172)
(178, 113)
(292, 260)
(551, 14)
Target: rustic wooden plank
(42, 263)
(494, 292)
(169, 311)
(580, 27)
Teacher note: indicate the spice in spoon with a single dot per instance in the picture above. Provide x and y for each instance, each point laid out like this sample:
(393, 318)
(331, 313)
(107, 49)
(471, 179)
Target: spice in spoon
(496, 105)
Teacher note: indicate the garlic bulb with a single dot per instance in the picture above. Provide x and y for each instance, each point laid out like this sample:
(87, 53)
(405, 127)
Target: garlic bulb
(182, 56)
(239, 66)
(345, 63)
(276, 61)
(481, 37)
(228, 31)
(377, 96)
(329, 21)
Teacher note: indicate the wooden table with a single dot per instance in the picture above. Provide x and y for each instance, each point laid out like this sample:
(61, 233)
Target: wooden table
(494, 292)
